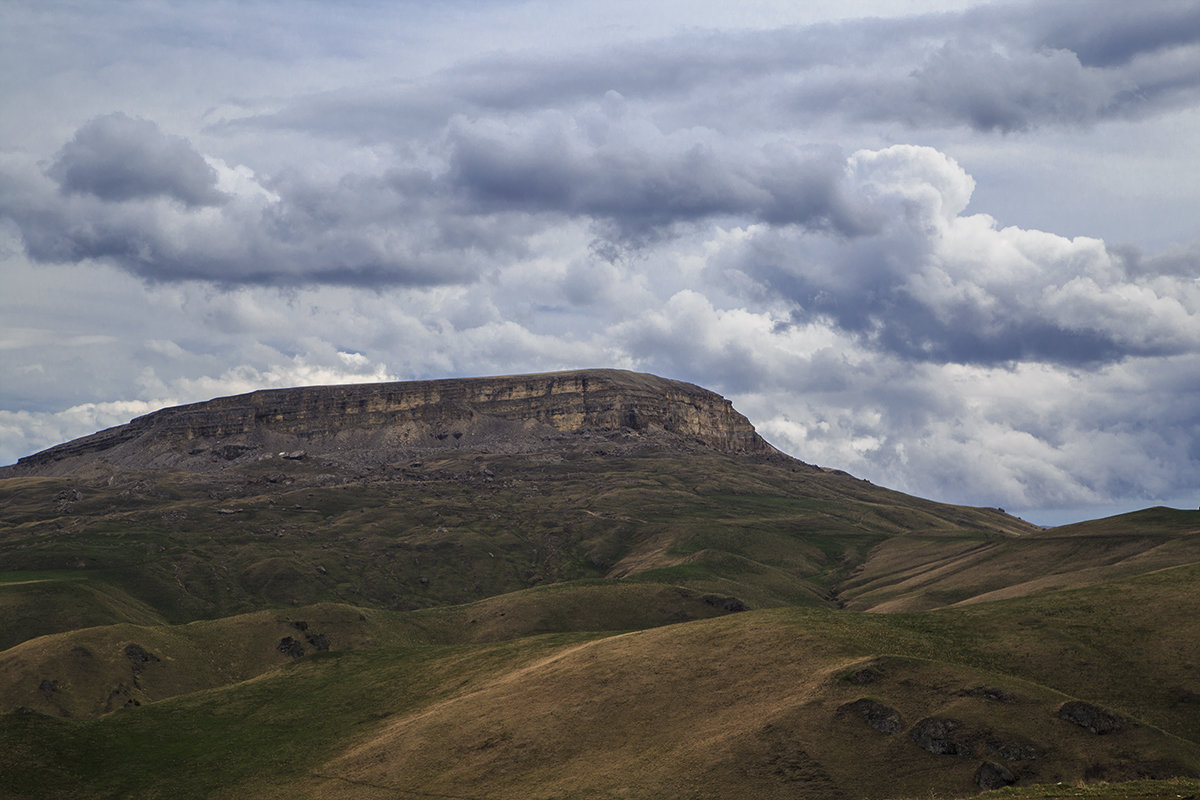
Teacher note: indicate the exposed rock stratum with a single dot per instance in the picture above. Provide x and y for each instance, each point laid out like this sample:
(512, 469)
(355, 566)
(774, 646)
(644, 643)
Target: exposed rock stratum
(382, 421)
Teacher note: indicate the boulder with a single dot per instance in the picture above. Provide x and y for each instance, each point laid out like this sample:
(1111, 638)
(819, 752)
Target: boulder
(290, 647)
(731, 604)
(1094, 718)
(139, 657)
(940, 736)
(880, 717)
(1013, 747)
(991, 775)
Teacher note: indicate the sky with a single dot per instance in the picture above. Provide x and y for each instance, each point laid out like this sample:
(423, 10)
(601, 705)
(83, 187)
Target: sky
(948, 247)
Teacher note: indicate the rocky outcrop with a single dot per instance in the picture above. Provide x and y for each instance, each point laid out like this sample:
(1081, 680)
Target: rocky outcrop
(429, 415)
(991, 775)
(880, 717)
(941, 736)
(1093, 718)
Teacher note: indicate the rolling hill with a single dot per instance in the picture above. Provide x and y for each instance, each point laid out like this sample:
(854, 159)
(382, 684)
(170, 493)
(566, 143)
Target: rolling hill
(584, 584)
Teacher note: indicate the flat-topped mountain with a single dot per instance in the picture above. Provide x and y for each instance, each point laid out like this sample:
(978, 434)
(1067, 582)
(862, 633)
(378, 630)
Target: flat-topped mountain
(383, 421)
(580, 584)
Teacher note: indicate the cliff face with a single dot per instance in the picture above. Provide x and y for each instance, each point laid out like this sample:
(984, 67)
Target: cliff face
(507, 413)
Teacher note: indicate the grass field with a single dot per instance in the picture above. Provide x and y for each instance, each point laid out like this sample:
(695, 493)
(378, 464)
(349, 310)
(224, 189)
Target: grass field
(658, 625)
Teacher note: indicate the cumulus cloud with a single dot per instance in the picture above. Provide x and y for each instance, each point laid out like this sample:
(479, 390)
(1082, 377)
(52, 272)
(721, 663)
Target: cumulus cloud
(117, 157)
(411, 226)
(878, 243)
(155, 223)
(615, 166)
(987, 88)
(664, 134)
(927, 282)
(1024, 436)
(26, 432)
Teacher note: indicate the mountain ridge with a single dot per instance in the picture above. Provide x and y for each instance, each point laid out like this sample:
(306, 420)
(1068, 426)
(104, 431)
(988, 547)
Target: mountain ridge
(510, 413)
(606, 585)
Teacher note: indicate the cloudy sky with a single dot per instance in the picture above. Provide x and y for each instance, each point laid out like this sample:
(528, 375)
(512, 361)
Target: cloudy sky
(948, 246)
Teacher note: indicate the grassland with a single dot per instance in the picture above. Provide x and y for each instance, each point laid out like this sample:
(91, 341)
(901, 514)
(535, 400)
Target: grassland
(571, 625)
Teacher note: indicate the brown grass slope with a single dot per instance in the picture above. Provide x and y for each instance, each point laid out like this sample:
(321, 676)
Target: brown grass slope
(922, 572)
(749, 704)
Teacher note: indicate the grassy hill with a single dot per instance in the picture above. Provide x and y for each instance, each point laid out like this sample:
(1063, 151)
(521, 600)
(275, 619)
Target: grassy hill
(183, 546)
(759, 703)
(623, 614)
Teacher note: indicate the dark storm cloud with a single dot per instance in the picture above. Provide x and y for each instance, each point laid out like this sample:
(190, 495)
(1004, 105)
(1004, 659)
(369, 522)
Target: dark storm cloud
(117, 157)
(1113, 33)
(608, 167)
(995, 69)
(498, 183)
(355, 231)
(975, 321)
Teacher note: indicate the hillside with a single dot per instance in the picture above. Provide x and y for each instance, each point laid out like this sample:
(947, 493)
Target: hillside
(582, 584)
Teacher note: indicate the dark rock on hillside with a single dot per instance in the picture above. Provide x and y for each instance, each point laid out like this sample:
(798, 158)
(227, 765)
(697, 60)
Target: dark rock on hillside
(290, 647)
(991, 775)
(730, 604)
(940, 736)
(1092, 717)
(1014, 747)
(121, 696)
(989, 693)
(1095, 719)
(139, 656)
(880, 717)
(378, 422)
(864, 675)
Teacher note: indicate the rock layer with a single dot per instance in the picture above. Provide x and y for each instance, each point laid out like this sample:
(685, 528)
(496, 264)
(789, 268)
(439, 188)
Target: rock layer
(509, 413)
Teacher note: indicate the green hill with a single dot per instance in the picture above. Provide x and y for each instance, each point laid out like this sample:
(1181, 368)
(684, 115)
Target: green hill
(559, 609)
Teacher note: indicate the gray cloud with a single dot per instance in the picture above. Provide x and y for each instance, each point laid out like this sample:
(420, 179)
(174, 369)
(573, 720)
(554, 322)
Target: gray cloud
(1018, 435)
(1113, 33)
(117, 157)
(877, 244)
(623, 170)
(999, 68)
(974, 83)
(498, 183)
(293, 230)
